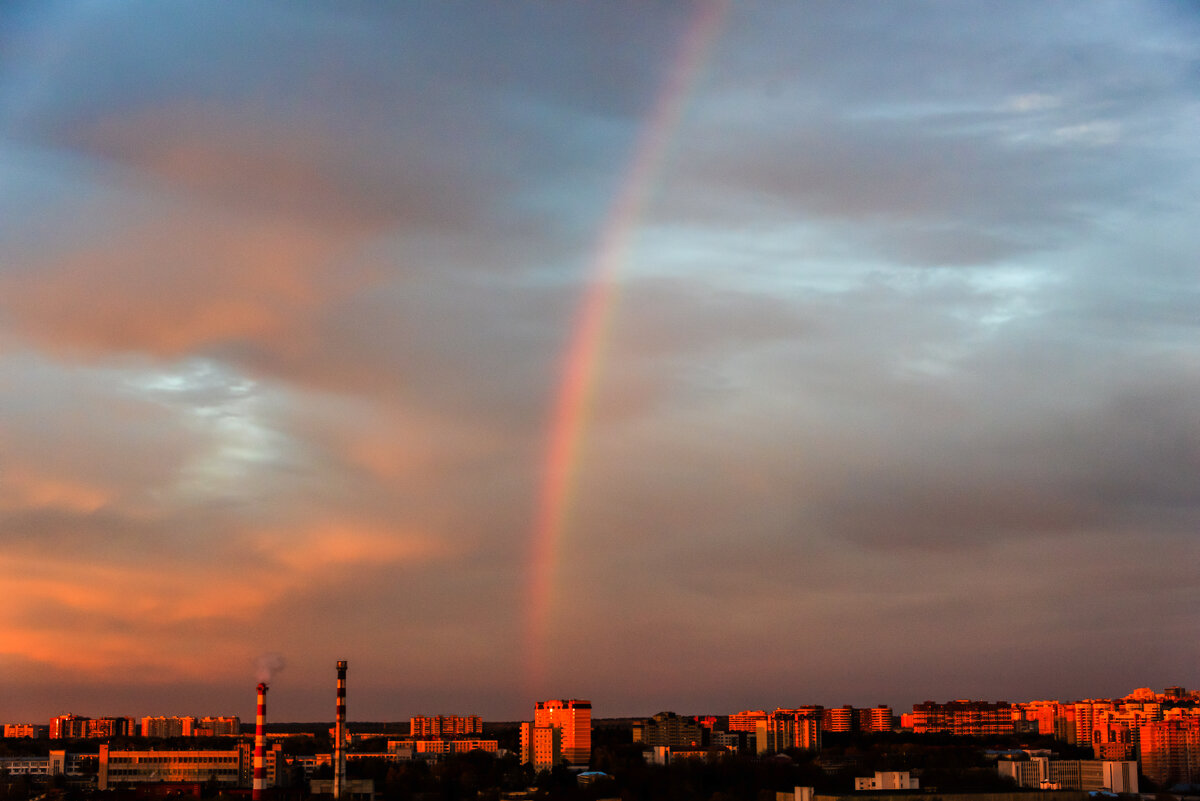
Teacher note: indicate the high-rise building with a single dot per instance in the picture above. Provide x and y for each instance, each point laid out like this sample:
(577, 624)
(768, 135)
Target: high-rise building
(746, 721)
(445, 726)
(1087, 712)
(168, 726)
(876, 719)
(851, 719)
(1171, 751)
(104, 728)
(963, 718)
(541, 746)
(65, 727)
(790, 728)
(224, 726)
(670, 730)
(561, 729)
(839, 719)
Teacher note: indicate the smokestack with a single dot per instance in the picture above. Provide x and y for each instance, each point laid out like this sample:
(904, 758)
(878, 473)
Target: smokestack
(260, 746)
(339, 734)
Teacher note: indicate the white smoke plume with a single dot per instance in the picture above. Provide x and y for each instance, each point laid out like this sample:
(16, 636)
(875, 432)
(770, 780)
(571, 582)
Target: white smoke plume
(268, 666)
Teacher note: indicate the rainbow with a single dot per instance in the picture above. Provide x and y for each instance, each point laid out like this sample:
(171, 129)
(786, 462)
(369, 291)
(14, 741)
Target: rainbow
(584, 354)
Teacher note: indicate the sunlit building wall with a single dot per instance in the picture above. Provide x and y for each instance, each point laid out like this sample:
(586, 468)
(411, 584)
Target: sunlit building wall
(574, 717)
(876, 719)
(964, 718)
(840, 719)
(66, 727)
(31, 730)
(1171, 751)
(224, 726)
(746, 721)
(225, 767)
(168, 726)
(1087, 712)
(62, 727)
(790, 728)
(103, 728)
(445, 726)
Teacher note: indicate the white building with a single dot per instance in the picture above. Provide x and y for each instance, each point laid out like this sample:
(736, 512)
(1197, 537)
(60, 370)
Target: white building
(887, 780)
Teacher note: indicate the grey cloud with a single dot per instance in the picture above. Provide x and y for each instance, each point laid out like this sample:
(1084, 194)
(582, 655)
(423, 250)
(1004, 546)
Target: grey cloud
(802, 451)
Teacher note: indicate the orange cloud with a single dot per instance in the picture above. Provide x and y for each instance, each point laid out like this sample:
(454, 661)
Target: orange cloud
(171, 283)
(133, 612)
(23, 489)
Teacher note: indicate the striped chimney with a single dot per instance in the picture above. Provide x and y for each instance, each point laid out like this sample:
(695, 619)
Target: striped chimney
(339, 734)
(260, 746)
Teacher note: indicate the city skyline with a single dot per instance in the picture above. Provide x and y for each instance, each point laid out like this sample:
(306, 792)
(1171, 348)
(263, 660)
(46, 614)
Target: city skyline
(703, 355)
(462, 722)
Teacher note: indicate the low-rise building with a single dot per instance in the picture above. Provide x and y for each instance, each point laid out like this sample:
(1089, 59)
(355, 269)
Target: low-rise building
(887, 780)
(229, 767)
(1044, 773)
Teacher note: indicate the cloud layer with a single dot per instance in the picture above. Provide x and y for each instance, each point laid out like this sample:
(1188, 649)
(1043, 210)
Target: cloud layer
(896, 401)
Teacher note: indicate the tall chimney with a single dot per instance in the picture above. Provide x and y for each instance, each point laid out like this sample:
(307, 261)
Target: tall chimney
(260, 746)
(339, 734)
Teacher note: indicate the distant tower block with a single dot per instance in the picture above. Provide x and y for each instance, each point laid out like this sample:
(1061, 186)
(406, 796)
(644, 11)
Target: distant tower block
(260, 744)
(339, 734)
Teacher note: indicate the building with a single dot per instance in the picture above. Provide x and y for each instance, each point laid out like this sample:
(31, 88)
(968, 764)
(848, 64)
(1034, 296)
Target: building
(671, 730)
(737, 741)
(445, 726)
(30, 730)
(541, 746)
(168, 726)
(884, 780)
(1171, 751)
(839, 720)
(574, 718)
(963, 718)
(710, 753)
(67, 727)
(57, 762)
(1043, 773)
(746, 721)
(790, 728)
(561, 730)
(850, 719)
(224, 767)
(225, 726)
(355, 789)
(104, 728)
(877, 719)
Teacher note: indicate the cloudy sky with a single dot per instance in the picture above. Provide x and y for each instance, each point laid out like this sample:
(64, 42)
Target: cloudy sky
(693, 356)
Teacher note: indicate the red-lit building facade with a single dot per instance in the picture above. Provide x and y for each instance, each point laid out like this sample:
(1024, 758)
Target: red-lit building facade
(963, 718)
(445, 726)
(790, 728)
(561, 730)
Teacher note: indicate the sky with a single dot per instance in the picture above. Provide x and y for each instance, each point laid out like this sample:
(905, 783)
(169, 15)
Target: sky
(692, 356)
